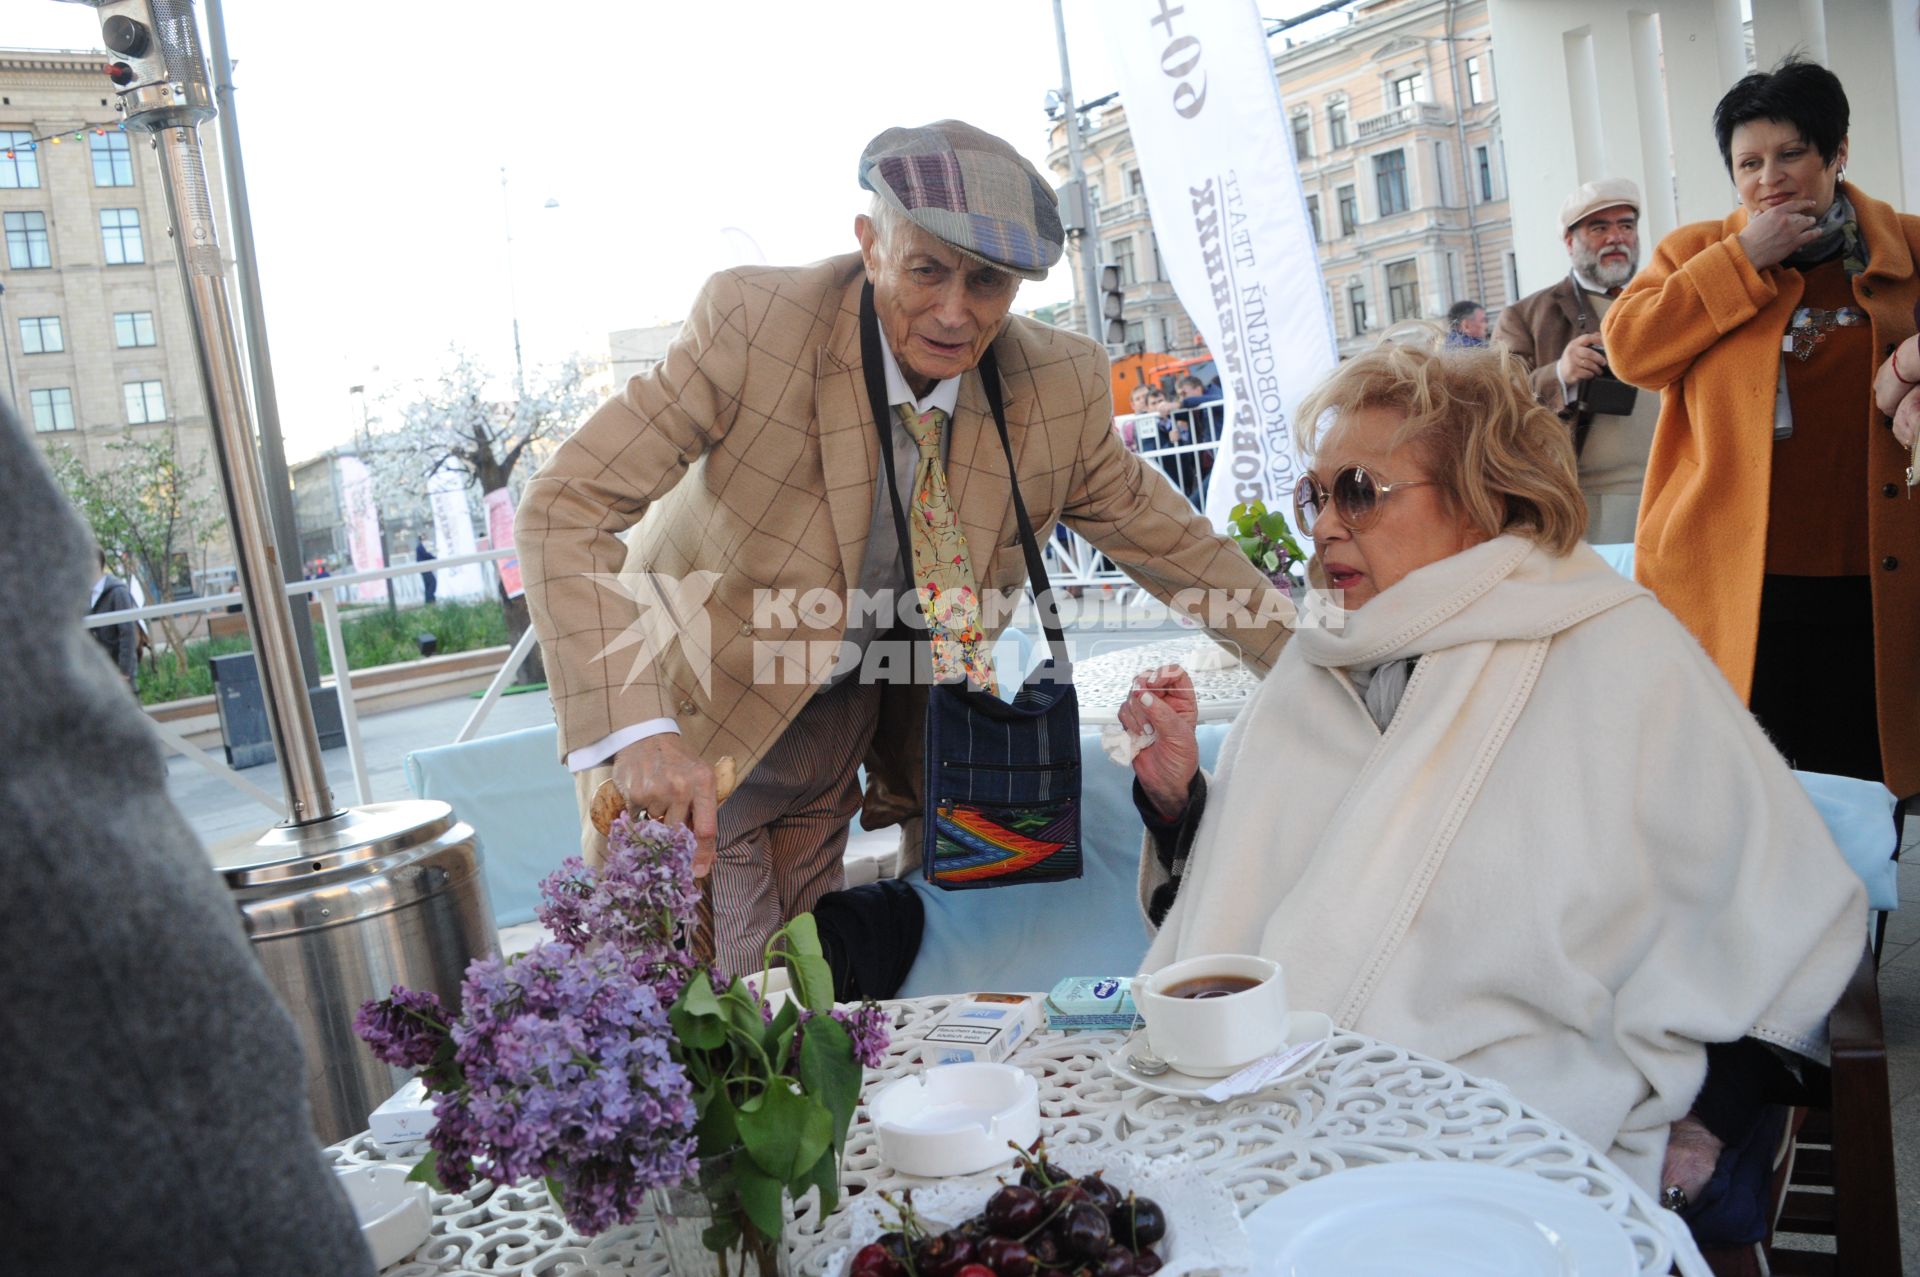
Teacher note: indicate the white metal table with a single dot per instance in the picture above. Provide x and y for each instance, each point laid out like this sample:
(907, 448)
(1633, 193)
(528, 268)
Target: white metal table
(1365, 1102)
(1101, 682)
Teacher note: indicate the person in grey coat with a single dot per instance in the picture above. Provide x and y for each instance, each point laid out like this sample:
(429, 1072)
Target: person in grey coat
(151, 1087)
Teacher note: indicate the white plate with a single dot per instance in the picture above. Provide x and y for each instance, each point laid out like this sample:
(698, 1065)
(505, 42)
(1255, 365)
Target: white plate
(1302, 1026)
(1438, 1219)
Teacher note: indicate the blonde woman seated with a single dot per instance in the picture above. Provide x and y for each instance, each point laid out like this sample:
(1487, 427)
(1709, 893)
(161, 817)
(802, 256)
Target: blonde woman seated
(1502, 809)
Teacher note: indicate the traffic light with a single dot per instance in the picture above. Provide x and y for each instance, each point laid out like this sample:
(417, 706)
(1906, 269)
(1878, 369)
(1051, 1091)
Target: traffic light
(1112, 301)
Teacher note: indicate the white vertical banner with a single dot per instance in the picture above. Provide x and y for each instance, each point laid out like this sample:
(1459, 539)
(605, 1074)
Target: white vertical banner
(453, 535)
(363, 525)
(1217, 163)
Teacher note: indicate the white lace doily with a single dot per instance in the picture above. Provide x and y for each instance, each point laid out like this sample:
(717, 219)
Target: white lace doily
(1204, 1233)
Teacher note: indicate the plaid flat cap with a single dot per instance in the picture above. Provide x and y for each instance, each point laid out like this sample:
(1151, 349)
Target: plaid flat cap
(969, 190)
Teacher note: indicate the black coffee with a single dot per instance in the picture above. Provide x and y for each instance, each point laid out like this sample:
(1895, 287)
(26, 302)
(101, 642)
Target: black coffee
(1210, 986)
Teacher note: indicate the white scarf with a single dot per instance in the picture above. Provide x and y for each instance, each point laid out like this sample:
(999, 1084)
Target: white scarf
(1569, 860)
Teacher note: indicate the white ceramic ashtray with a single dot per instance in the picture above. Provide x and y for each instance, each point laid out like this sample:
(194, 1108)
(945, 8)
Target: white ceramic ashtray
(956, 1119)
(393, 1212)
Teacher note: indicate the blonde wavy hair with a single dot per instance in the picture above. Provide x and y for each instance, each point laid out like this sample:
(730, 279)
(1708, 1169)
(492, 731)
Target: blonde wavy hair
(1471, 416)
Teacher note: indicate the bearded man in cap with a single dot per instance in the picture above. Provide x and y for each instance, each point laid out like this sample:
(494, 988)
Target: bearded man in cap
(1557, 331)
(748, 465)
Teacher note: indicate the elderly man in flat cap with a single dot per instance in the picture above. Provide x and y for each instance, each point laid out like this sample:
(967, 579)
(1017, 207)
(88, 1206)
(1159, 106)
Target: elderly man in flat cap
(748, 465)
(1557, 330)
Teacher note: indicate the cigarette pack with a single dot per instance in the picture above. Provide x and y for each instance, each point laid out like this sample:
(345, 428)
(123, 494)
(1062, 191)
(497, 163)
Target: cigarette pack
(406, 1116)
(983, 1027)
(1091, 1002)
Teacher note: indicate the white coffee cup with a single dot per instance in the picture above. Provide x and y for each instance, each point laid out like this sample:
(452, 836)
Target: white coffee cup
(1212, 1036)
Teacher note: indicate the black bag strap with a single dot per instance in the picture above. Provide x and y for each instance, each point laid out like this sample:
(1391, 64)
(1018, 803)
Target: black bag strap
(874, 371)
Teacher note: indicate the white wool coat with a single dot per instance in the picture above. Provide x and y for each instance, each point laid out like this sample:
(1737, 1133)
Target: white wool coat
(1570, 860)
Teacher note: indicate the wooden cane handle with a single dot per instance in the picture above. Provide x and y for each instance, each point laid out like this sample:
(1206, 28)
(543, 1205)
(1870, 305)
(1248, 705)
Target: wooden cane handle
(608, 802)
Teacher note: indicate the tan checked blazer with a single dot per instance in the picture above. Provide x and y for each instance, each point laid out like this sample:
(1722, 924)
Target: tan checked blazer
(750, 452)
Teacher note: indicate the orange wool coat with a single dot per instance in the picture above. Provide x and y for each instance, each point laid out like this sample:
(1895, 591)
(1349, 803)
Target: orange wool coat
(1704, 328)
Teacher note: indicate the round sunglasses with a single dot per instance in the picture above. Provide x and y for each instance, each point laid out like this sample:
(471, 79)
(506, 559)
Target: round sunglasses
(1356, 495)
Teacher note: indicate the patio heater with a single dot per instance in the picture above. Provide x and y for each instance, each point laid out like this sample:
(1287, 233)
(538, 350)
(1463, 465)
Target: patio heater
(340, 903)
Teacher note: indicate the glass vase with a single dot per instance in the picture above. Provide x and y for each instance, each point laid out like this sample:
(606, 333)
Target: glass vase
(686, 1211)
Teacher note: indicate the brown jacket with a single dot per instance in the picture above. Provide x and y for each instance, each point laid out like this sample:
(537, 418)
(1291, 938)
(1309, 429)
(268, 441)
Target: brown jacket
(1538, 328)
(1700, 324)
(750, 454)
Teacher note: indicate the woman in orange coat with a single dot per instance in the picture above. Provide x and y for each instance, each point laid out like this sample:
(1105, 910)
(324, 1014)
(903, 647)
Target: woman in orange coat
(1775, 520)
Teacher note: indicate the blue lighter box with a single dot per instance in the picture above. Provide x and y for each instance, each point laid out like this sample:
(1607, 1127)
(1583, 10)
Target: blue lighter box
(1091, 1002)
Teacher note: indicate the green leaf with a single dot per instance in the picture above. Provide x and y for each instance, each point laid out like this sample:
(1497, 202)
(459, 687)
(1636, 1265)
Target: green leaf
(1270, 561)
(1252, 547)
(830, 1074)
(698, 1019)
(785, 1133)
(720, 1234)
(1274, 525)
(718, 1128)
(427, 1171)
(760, 1195)
(555, 1192)
(779, 1038)
(812, 977)
(743, 1010)
(825, 1176)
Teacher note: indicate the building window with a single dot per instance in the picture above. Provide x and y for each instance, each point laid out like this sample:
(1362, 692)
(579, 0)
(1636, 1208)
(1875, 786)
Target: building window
(1302, 136)
(1440, 174)
(1513, 276)
(1403, 291)
(1405, 90)
(1313, 216)
(1349, 210)
(133, 328)
(19, 163)
(1156, 265)
(52, 409)
(1336, 124)
(1120, 253)
(41, 335)
(1136, 185)
(1357, 306)
(1137, 334)
(112, 161)
(146, 402)
(1166, 333)
(27, 241)
(1390, 182)
(1479, 81)
(120, 236)
(1483, 166)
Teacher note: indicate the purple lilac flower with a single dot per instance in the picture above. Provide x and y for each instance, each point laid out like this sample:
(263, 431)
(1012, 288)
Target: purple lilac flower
(640, 902)
(568, 1074)
(870, 1028)
(404, 1029)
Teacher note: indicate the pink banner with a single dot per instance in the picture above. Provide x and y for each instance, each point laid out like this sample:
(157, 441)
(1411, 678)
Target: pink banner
(363, 526)
(499, 504)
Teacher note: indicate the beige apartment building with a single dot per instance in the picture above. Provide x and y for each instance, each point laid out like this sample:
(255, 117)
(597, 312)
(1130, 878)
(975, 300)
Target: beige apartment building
(1396, 126)
(98, 345)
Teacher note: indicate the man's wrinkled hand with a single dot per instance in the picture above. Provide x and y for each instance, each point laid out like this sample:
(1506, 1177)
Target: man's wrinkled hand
(1582, 360)
(668, 781)
(1692, 1153)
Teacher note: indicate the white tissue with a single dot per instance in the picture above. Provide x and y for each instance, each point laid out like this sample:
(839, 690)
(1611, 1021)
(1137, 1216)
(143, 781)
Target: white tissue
(1121, 745)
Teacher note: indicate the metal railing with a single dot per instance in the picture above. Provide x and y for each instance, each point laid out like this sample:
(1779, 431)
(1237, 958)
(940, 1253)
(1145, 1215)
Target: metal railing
(1071, 561)
(330, 592)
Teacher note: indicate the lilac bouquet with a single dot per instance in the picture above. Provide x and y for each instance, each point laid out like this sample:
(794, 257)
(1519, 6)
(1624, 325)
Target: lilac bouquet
(610, 1064)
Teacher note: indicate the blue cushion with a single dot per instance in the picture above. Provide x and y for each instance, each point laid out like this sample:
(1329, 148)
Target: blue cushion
(1619, 557)
(1859, 815)
(518, 797)
(1018, 939)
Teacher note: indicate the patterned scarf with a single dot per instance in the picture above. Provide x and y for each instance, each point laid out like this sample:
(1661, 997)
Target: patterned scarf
(1839, 233)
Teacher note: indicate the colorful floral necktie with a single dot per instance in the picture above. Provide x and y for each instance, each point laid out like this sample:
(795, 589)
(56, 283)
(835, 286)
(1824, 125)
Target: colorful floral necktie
(941, 570)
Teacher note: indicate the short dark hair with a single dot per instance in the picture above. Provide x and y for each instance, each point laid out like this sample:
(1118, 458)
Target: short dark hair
(1190, 380)
(1461, 311)
(1803, 94)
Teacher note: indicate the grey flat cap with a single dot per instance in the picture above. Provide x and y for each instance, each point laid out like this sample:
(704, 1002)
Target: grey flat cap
(970, 190)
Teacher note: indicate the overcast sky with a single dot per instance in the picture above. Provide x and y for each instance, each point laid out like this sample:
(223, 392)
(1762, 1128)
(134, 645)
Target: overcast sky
(675, 139)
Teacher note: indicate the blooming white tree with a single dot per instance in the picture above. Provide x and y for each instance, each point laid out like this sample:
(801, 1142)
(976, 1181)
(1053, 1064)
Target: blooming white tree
(470, 420)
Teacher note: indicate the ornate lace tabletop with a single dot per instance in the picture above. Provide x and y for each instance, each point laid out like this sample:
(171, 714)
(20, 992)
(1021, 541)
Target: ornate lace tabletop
(1364, 1103)
(1101, 682)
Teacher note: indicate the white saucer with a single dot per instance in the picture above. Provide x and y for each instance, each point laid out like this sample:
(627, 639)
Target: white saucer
(1438, 1219)
(1302, 1026)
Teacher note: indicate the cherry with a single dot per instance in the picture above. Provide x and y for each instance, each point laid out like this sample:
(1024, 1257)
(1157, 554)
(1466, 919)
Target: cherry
(1007, 1257)
(1146, 1262)
(1046, 1249)
(975, 1270)
(875, 1261)
(943, 1256)
(1100, 1193)
(1087, 1233)
(1138, 1222)
(1014, 1210)
(1044, 1175)
(1117, 1262)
